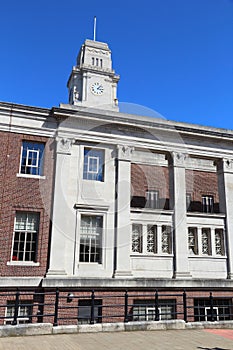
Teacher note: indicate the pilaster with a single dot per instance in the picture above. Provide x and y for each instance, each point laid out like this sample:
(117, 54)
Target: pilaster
(178, 201)
(123, 227)
(62, 215)
(225, 182)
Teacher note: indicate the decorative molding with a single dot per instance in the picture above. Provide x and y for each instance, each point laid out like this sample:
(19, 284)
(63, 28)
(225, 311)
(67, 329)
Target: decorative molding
(178, 159)
(225, 165)
(124, 152)
(98, 51)
(64, 145)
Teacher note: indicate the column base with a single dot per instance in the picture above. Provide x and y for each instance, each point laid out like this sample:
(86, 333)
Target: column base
(56, 273)
(122, 274)
(182, 275)
(230, 276)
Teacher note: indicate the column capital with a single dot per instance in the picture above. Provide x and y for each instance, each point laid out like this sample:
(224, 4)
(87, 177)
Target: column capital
(124, 152)
(225, 165)
(177, 159)
(64, 145)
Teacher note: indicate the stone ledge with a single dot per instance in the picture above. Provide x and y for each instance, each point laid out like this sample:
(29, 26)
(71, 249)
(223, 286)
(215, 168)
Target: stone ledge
(47, 328)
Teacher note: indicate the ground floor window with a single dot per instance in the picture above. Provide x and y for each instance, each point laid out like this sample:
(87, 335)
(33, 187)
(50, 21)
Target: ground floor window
(221, 309)
(145, 310)
(91, 239)
(84, 311)
(24, 312)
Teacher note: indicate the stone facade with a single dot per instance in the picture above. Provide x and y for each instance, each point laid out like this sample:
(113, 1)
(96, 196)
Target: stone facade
(123, 201)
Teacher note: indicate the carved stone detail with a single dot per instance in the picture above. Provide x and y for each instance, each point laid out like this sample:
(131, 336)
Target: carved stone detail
(64, 145)
(225, 165)
(178, 158)
(124, 152)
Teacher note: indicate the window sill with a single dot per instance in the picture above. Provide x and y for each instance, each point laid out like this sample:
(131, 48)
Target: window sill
(144, 255)
(31, 176)
(22, 263)
(207, 256)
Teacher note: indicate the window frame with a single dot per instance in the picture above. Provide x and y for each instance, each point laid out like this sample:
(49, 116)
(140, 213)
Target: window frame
(207, 203)
(193, 248)
(20, 319)
(32, 170)
(101, 239)
(25, 241)
(152, 199)
(90, 153)
(140, 238)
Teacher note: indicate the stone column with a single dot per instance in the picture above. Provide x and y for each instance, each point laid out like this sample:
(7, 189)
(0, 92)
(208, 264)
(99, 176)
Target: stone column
(178, 204)
(123, 227)
(225, 185)
(62, 218)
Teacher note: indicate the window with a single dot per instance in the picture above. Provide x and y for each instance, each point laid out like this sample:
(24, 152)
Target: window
(25, 236)
(192, 240)
(84, 311)
(137, 238)
(93, 164)
(144, 310)
(206, 241)
(152, 199)
(91, 239)
(219, 242)
(221, 309)
(32, 158)
(152, 239)
(207, 204)
(166, 239)
(24, 312)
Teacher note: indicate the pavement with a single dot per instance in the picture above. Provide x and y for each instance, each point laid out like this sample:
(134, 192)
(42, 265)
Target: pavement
(214, 339)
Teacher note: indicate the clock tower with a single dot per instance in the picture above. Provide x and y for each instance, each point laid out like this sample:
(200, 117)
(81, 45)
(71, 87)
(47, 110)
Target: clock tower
(93, 82)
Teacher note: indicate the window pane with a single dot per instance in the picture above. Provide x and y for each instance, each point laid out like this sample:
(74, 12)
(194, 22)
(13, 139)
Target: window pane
(152, 239)
(25, 236)
(93, 167)
(91, 238)
(137, 238)
(32, 158)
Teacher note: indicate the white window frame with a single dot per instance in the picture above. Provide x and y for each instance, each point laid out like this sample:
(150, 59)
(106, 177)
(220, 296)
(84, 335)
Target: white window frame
(102, 239)
(28, 150)
(209, 308)
(25, 231)
(209, 243)
(20, 320)
(89, 166)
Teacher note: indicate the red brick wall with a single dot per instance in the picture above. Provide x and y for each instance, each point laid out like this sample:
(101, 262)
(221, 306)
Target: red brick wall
(25, 194)
(149, 177)
(200, 183)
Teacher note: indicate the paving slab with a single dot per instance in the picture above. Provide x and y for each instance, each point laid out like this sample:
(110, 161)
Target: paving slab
(135, 340)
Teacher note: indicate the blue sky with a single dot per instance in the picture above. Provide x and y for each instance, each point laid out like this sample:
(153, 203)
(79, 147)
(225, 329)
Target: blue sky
(175, 57)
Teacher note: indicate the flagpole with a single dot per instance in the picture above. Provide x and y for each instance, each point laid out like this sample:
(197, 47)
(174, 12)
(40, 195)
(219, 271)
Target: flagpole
(94, 28)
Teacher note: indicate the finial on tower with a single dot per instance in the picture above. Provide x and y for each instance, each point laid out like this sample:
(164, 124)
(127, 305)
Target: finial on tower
(94, 28)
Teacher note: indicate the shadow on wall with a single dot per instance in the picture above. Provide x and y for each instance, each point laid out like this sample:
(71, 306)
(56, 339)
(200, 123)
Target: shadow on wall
(200, 347)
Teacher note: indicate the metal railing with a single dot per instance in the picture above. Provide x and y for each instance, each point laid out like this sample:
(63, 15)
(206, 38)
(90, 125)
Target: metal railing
(60, 307)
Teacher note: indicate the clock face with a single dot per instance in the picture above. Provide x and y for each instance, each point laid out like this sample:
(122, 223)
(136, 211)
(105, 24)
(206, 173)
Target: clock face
(97, 88)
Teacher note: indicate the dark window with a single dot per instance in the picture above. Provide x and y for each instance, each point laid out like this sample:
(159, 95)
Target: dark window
(222, 309)
(32, 158)
(152, 199)
(207, 204)
(84, 311)
(144, 310)
(24, 312)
